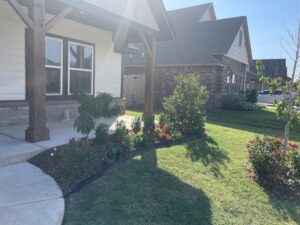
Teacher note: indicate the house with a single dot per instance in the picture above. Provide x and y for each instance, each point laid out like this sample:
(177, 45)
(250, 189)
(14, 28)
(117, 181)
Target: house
(50, 49)
(273, 68)
(218, 50)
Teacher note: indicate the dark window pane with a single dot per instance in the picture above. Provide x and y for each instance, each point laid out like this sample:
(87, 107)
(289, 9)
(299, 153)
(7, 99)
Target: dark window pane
(81, 56)
(53, 50)
(80, 81)
(88, 56)
(52, 81)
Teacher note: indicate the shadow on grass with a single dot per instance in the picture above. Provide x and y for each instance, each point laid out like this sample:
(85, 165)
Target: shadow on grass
(138, 193)
(286, 206)
(208, 152)
(259, 121)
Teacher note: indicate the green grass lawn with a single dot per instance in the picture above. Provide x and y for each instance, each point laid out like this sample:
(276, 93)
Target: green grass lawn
(203, 182)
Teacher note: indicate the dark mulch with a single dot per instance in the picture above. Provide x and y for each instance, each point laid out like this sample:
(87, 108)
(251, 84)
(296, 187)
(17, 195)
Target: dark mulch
(95, 170)
(276, 185)
(52, 168)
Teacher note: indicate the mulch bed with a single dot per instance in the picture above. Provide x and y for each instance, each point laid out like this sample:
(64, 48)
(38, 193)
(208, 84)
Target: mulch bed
(70, 185)
(276, 185)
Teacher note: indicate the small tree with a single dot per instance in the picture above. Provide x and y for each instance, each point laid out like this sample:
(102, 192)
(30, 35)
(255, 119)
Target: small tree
(91, 109)
(285, 108)
(185, 109)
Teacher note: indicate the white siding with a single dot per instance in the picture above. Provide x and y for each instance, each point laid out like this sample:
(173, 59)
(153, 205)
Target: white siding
(206, 16)
(135, 10)
(12, 55)
(108, 64)
(237, 52)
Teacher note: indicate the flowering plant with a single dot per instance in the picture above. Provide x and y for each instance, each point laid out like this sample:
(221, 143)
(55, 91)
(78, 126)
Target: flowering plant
(266, 155)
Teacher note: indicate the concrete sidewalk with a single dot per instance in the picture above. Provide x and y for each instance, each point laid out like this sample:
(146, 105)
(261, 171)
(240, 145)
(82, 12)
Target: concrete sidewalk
(29, 197)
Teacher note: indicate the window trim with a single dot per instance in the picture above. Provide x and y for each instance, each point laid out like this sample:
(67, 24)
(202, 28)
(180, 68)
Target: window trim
(61, 67)
(78, 69)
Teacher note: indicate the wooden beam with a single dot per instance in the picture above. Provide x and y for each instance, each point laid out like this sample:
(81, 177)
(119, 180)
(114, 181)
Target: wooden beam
(150, 79)
(36, 77)
(55, 19)
(146, 44)
(21, 13)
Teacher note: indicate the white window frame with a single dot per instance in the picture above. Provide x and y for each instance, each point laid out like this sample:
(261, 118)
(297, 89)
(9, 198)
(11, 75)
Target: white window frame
(61, 67)
(77, 69)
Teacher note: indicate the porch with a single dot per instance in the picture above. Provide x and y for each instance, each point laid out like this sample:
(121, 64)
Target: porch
(14, 148)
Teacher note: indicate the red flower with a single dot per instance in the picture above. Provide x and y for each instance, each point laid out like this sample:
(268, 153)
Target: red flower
(250, 151)
(275, 151)
(293, 145)
(275, 159)
(251, 142)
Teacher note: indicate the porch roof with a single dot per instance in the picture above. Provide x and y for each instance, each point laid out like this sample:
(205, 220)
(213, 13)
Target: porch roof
(92, 15)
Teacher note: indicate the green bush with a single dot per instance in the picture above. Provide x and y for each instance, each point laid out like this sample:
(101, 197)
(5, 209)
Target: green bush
(185, 109)
(101, 134)
(91, 109)
(123, 137)
(236, 102)
(247, 106)
(266, 155)
(141, 140)
(251, 96)
(136, 125)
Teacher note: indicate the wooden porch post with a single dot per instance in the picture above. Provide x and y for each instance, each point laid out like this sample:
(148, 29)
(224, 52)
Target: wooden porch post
(37, 130)
(150, 44)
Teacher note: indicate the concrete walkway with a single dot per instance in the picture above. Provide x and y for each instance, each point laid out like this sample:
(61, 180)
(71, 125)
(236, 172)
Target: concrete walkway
(14, 149)
(29, 197)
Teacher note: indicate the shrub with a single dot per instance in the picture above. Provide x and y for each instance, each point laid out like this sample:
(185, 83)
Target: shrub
(247, 106)
(91, 109)
(231, 101)
(266, 155)
(236, 102)
(185, 109)
(122, 136)
(251, 96)
(136, 125)
(141, 140)
(101, 134)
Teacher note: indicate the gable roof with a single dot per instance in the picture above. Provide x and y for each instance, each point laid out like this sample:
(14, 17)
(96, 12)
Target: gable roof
(93, 15)
(252, 76)
(273, 67)
(195, 42)
(192, 14)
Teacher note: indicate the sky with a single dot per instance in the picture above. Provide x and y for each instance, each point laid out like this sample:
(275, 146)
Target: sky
(267, 21)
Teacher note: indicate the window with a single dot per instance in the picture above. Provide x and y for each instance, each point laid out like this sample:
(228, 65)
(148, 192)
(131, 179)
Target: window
(241, 39)
(54, 66)
(81, 64)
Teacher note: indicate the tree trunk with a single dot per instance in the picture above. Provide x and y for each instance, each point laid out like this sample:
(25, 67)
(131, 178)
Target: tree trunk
(291, 95)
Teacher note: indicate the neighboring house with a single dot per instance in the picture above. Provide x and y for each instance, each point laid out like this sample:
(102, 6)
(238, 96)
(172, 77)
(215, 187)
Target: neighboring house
(83, 42)
(273, 68)
(218, 50)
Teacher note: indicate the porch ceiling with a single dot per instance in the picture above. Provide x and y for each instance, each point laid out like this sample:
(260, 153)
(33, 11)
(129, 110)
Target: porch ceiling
(91, 15)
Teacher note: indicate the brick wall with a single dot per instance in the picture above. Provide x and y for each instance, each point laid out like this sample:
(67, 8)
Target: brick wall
(14, 113)
(214, 77)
